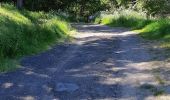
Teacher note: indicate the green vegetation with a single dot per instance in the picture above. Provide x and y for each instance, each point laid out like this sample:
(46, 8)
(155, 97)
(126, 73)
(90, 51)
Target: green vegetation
(75, 10)
(159, 92)
(149, 17)
(153, 89)
(25, 32)
(124, 18)
(157, 29)
(150, 28)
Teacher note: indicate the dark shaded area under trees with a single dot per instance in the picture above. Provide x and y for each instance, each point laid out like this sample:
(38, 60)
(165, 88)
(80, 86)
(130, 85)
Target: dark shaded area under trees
(80, 10)
(77, 9)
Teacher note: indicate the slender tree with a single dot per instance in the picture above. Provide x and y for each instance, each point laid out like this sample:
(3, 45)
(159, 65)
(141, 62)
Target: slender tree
(19, 4)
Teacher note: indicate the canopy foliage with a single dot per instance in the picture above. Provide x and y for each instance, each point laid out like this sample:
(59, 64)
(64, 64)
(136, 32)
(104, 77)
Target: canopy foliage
(84, 8)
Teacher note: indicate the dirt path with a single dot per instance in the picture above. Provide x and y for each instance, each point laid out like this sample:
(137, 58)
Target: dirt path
(102, 63)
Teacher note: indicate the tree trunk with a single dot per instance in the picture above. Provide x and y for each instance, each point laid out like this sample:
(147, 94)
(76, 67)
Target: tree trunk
(32, 5)
(19, 4)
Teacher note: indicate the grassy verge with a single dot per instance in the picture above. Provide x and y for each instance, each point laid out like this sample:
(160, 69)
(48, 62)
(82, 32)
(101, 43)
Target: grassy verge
(148, 28)
(124, 18)
(24, 33)
(159, 29)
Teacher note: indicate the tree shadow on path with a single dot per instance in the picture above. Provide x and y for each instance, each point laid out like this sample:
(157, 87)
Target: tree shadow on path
(94, 65)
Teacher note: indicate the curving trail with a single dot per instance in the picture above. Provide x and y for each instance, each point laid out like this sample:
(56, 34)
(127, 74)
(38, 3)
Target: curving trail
(102, 63)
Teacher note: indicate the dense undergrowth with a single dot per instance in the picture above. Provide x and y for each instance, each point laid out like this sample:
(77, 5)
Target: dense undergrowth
(149, 28)
(24, 32)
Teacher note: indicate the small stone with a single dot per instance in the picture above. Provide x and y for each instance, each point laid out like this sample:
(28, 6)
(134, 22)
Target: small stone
(66, 87)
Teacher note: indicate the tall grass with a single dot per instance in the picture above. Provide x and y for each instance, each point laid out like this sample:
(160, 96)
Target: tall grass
(124, 18)
(24, 32)
(150, 28)
(159, 29)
